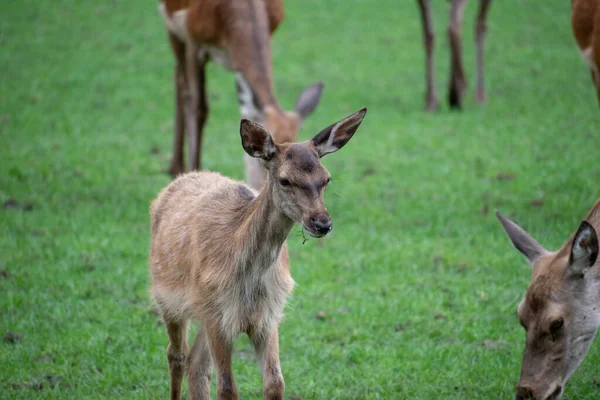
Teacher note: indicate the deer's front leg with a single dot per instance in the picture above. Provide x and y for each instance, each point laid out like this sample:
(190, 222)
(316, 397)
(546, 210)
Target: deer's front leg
(267, 354)
(220, 348)
(176, 354)
(177, 164)
(191, 103)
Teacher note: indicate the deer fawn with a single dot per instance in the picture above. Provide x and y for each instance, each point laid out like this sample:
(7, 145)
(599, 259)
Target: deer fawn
(218, 255)
(585, 21)
(458, 82)
(561, 308)
(236, 35)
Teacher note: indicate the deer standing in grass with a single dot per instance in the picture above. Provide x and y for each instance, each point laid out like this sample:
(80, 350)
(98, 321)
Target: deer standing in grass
(458, 82)
(585, 21)
(561, 308)
(236, 35)
(218, 255)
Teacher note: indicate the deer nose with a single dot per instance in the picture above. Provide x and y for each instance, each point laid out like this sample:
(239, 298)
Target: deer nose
(524, 393)
(322, 224)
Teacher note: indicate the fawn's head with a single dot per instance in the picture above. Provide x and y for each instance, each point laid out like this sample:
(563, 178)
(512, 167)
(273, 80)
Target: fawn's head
(296, 178)
(560, 311)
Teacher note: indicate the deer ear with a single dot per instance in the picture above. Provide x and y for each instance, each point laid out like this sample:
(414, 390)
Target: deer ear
(308, 100)
(256, 141)
(335, 136)
(522, 240)
(584, 249)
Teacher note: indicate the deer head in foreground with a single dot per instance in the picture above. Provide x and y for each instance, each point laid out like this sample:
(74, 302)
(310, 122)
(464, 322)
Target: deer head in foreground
(561, 308)
(218, 255)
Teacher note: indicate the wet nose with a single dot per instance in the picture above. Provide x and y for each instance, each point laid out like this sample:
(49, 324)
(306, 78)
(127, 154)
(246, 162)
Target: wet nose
(523, 393)
(322, 224)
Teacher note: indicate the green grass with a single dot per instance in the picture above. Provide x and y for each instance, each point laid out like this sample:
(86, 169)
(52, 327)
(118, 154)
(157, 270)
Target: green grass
(86, 119)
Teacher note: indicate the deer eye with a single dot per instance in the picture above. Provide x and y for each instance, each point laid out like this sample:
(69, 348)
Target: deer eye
(556, 325)
(284, 182)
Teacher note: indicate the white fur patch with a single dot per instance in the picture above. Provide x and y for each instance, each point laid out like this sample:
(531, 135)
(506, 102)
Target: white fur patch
(245, 95)
(176, 24)
(588, 56)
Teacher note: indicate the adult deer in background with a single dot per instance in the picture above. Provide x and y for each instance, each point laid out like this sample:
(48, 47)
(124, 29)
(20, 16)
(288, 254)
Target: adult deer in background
(218, 255)
(458, 82)
(561, 308)
(236, 35)
(585, 21)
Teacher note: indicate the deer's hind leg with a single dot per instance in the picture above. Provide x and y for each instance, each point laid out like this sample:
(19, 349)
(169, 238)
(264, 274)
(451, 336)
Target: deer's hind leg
(200, 368)
(177, 351)
(480, 31)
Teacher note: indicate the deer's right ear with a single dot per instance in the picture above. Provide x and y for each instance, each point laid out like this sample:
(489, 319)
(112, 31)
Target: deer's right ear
(256, 141)
(335, 136)
(584, 249)
(522, 240)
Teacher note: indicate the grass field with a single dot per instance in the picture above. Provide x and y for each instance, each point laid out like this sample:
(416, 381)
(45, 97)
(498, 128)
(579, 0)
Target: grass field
(418, 283)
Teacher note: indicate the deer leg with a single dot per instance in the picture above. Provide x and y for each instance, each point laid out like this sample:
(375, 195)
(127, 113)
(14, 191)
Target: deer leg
(267, 355)
(431, 98)
(458, 82)
(177, 163)
(177, 351)
(191, 103)
(202, 110)
(200, 368)
(220, 349)
(480, 30)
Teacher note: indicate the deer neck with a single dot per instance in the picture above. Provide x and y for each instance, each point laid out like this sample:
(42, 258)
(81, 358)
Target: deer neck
(255, 100)
(264, 230)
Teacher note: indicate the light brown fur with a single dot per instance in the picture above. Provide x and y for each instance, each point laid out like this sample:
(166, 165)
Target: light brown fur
(237, 35)
(218, 255)
(585, 22)
(458, 82)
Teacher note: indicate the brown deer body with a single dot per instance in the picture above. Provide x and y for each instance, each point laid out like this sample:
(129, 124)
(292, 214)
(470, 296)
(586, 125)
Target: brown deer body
(235, 34)
(458, 82)
(218, 255)
(561, 308)
(585, 21)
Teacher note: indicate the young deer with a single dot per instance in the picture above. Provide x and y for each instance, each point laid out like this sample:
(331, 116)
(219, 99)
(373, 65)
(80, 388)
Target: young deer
(585, 21)
(561, 308)
(236, 35)
(219, 255)
(458, 82)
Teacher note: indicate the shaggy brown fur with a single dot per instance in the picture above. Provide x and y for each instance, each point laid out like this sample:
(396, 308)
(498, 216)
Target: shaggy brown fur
(218, 255)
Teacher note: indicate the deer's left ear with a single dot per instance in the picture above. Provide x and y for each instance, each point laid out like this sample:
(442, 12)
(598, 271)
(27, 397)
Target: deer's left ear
(308, 100)
(584, 249)
(335, 136)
